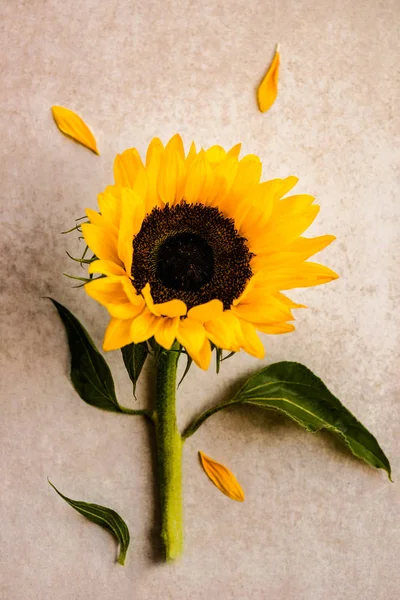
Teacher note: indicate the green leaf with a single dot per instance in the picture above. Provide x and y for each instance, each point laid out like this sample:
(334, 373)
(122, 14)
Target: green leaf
(106, 518)
(134, 356)
(292, 389)
(189, 361)
(90, 374)
(218, 359)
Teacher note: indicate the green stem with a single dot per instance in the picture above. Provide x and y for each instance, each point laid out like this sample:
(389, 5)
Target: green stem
(193, 427)
(169, 454)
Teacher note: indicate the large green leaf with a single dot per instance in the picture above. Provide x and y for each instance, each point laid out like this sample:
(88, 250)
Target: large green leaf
(134, 356)
(106, 518)
(90, 374)
(292, 389)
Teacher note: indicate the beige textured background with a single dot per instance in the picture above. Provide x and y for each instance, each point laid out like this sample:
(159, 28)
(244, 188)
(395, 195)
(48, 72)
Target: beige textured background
(317, 524)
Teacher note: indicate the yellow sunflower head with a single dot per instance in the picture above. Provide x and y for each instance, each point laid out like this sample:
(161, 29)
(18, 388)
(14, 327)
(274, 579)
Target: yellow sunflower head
(192, 247)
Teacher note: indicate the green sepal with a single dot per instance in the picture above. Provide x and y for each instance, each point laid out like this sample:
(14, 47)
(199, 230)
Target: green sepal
(106, 518)
(134, 356)
(90, 374)
(218, 359)
(291, 388)
(189, 362)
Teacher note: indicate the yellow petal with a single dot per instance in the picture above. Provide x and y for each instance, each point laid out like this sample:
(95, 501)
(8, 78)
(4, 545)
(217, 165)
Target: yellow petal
(106, 267)
(126, 167)
(107, 290)
(134, 298)
(171, 176)
(306, 247)
(215, 154)
(172, 308)
(248, 174)
(278, 235)
(224, 331)
(144, 327)
(101, 241)
(125, 310)
(274, 328)
(96, 219)
(153, 161)
(306, 275)
(132, 215)
(117, 334)
(192, 336)
(224, 176)
(235, 150)
(294, 254)
(72, 125)
(284, 186)
(199, 179)
(109, 203)
(166, 332)
(251, 342)
(257, 202)
(268, 89)
(154, 151)
(287, 301)
(176, 144)
(206, 312)
(286, 208)
(222, 478)
(191, 155)
(260, 307)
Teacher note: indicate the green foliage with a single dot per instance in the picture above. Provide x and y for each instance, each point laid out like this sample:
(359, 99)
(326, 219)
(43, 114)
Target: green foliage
(90, 374)
(134, 356)
(292, 389)
(106, 518)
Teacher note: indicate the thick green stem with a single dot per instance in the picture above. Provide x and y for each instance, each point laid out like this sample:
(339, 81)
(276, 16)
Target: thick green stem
(169, 455)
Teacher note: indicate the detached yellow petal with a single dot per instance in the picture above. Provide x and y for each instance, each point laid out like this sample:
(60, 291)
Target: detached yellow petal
(222, 478)
(268, 89)
(72, 125)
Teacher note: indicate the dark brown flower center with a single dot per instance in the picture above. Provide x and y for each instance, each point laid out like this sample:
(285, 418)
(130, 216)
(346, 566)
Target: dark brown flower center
(190, 252)
(185, 261)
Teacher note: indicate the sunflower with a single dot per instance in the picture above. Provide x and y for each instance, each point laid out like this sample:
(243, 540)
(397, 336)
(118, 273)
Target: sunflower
(192, 247)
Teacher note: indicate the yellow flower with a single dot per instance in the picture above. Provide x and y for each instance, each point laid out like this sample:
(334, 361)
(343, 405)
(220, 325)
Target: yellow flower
(193, 247)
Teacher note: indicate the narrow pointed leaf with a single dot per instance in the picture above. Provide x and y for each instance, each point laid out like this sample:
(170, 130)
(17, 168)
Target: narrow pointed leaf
(134, 356)
(106, 518)
(268, 89)
(73, 126)
(222, 478)
(218, 359)
(186, 371)
(292, 389)
(90, 374)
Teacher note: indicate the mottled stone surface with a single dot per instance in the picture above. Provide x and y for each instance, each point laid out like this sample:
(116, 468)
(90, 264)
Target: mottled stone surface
(317, 524)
